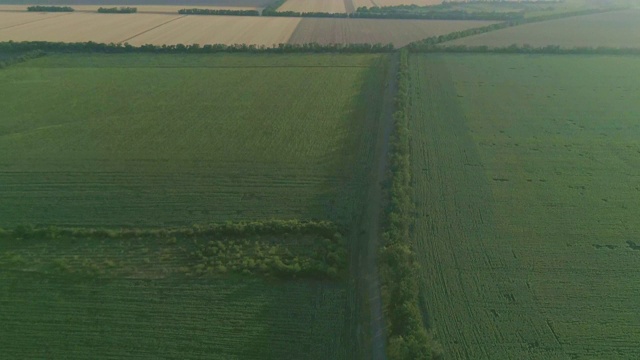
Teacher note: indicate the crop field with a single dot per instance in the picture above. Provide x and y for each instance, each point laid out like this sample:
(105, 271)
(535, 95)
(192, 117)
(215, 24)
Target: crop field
(526, 187)
(328, 6)
(107, 318)
(72, 27)
(145, 140)
(397, 32)
(620, 29)
(266, 31)
(380, 3)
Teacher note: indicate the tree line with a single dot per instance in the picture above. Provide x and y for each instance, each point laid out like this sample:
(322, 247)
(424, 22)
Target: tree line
(44, 8)
(407, 337)
(92, 47)
(428, 13)
(118, 10)
(219, 12)
(428, 44)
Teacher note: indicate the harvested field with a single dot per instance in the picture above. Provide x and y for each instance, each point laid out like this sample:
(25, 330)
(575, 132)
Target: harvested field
(72, 27)
(397, 32)
(380, 3)
(266, 31)
(12, 20)
(327, 6)
(526, 178)
(167, 140)
(619, 29)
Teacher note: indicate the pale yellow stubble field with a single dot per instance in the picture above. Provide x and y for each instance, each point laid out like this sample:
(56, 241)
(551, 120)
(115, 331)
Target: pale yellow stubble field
(327, 6)
(203, 30)
(76, 27)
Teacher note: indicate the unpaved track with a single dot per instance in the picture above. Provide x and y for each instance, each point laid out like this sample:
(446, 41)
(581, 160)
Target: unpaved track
(371, 231)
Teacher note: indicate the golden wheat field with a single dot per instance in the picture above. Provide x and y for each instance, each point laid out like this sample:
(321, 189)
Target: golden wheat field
(221, 30)
(328, 6)
(397, 32)
(72, 27)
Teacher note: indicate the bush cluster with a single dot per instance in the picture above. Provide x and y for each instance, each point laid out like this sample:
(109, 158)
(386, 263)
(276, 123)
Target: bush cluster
(44, 8)
(406, 333)
(219, 12)
(118, 10)
(314, 257)
(92, 47)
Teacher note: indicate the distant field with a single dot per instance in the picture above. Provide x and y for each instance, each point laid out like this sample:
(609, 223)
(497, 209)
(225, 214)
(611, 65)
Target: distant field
(328, 6)
(141, 9)
(384, 31)
(526, 177)
(380, 3)
(113, 140)
(268, 31)
(613, 29)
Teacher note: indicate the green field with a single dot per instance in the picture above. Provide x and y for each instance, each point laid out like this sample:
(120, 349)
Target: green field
(157, 140)
(161, 142)
(526, 186)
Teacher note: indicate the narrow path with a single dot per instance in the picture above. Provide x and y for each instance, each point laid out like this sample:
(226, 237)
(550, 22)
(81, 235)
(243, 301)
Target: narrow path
(374, 212)
(153, 28)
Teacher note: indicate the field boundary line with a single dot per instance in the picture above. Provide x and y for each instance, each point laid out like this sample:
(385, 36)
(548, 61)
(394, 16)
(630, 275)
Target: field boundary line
(153, 28)
(31, 22)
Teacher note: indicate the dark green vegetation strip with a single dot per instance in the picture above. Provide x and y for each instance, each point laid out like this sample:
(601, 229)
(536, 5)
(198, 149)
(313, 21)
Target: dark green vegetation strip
(11, 58)
(196, 11)
(284, 249)
(430, 44)
(118, 10)
(43, 8)
(111, 48)
(407, 336)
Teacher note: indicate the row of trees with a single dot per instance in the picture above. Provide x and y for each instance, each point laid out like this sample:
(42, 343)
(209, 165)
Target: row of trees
(407, 336)
(89, 47)
(44, 8)
(428, 13)
(428, 44)
(305, 14)
(118, 10)
(219, 12)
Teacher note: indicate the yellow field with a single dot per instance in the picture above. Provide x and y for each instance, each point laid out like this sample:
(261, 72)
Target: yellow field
(383, 31)
(328, 6)
(222, 30)
(170, 9)
(380, 3)
(72, 27)
(8, 20)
